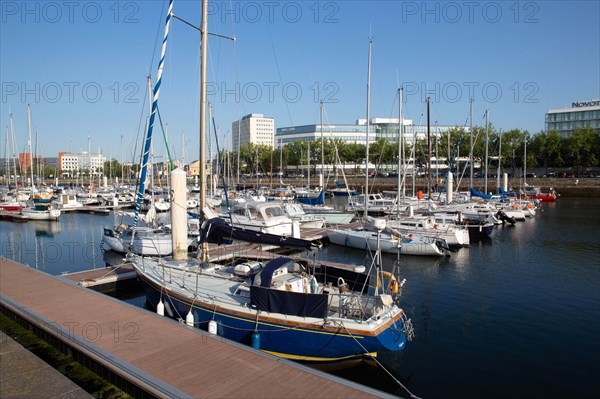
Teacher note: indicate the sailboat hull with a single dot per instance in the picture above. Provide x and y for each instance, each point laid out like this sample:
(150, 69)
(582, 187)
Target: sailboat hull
(363, 239)
(308, 339)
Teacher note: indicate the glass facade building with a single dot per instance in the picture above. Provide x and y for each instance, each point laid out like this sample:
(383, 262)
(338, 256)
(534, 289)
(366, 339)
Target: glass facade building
(581, 114)
(379, 128)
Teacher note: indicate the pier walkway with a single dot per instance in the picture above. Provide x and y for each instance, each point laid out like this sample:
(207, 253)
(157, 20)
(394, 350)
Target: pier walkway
(24, 375)
(151, 356)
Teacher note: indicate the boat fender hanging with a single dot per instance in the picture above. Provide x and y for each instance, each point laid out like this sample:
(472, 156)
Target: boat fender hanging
(189, 319)
(256, 340)
(212, 327)
(313, 285)
(160, 308)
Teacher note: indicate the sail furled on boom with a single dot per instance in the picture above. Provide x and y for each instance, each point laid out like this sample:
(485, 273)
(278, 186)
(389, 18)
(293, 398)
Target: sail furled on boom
(148, 141)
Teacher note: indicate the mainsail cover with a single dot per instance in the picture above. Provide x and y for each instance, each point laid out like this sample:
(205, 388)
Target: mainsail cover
(217, 231)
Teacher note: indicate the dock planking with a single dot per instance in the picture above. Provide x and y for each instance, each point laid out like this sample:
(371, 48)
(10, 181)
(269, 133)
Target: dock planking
(166, 358)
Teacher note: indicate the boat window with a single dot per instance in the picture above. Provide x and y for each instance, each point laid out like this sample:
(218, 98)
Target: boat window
(244, 292)
(274, 211)
(252, 214)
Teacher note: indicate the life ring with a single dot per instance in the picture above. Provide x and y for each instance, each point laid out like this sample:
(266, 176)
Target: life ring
(515, 206)
(529, 206)
(393, 285)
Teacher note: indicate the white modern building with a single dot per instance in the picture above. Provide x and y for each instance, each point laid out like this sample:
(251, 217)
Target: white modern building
(379, 128)
(84, 161)
(253, 128)
(581, 114)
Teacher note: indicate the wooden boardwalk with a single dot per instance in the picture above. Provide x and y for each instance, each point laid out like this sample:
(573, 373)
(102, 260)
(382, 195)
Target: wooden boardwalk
(156, 355)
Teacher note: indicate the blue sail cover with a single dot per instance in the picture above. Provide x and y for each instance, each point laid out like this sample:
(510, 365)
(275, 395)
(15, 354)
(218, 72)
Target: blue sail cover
(475, 193)
(217, 231)
(318, 200)
(509, 193)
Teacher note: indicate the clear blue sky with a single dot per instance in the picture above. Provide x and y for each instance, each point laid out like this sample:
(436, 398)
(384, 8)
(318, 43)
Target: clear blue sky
(83, 65)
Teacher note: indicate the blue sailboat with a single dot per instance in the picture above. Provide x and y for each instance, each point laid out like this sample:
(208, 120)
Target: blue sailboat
(288, 306)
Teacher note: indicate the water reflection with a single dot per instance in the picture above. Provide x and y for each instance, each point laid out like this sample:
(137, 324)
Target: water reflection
(46, 228)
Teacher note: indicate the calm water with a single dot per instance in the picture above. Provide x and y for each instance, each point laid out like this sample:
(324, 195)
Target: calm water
(514, 316)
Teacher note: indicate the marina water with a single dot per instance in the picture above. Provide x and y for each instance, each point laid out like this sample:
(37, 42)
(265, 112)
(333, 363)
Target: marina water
(517, 315)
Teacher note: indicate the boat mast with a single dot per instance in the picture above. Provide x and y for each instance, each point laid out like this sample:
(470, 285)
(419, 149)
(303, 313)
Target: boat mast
(202, 160)
(525, 163)
(428, 152)
(499, 161)
(367, 125)
(485, 168)
(30, 150)
(322, 182)
(400, 151)
(35, 158)
(6, 160)
(281, 162)
(210, 153)
(140, 193)
(471, 151)
(308, 165)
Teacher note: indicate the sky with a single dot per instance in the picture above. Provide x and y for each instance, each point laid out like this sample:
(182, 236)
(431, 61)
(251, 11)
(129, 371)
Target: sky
(83, 66)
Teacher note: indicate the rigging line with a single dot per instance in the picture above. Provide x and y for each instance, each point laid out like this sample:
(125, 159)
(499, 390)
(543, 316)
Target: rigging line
(394, 109)
(304, 55)
(376, 360)
(287, 105)
(236, 72)
(158, 30)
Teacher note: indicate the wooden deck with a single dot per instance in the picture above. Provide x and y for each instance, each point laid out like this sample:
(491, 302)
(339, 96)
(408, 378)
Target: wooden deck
(11, 215)
(165, 358)
(110, 275)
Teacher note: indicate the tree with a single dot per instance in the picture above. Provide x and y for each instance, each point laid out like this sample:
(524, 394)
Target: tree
(583, 148)
(112, 167)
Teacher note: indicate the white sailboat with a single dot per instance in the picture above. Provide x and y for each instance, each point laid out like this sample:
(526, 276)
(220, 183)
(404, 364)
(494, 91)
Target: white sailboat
(364, 237)
(40, 209)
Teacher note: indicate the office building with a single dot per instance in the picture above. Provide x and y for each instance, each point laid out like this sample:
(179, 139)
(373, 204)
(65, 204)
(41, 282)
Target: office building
(253, 128)
(580, 114)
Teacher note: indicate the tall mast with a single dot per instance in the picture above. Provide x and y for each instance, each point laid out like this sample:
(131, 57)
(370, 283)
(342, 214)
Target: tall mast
(90, 159)
(499, 161)
(525, 163)
(202, 159)
(471, 151)
(308, 163)
(322, 182)
(367, 125)
(239, 138)
(428, 152)
(36, 156)
(6, 159)
(210, 155)
(140, 193)
(281, 161)
(400, 149)
(30, 150)
(485, 168)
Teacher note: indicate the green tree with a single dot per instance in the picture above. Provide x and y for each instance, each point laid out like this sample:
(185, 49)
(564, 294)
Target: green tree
(112, 167)
(582, 147)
